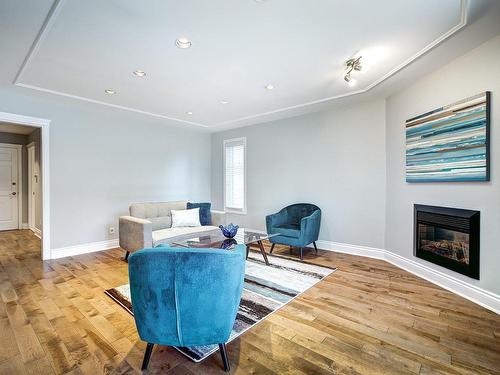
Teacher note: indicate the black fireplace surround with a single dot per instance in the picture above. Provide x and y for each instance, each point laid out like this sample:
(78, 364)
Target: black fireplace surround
(448, 237)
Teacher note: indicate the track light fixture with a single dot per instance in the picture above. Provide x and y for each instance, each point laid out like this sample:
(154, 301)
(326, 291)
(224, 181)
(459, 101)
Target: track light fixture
(353, 64)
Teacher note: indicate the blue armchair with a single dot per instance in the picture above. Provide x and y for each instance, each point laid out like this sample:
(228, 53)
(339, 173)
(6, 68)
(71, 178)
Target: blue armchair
(186, 297)
(297, 225)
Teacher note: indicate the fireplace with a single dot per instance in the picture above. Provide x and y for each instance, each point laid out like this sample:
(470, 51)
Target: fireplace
(448, 237)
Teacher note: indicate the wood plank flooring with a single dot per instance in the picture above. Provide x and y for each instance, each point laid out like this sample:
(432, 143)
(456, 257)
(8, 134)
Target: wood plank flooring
(369, 317)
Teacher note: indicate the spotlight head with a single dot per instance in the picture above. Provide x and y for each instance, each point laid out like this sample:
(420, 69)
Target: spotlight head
(347, 78)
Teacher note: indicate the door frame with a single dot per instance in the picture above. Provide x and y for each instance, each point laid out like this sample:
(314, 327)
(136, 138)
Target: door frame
(43, 124)
(19, 181)
(30, 151)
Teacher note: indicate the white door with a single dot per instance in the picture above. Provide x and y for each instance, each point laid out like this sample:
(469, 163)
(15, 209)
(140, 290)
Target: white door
(8, 189)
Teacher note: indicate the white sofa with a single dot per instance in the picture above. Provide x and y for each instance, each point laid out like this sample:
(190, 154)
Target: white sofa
(150, 224)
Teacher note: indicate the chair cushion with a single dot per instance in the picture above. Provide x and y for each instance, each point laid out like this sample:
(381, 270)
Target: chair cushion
(205, 214)
(289, 230)
(178, 233)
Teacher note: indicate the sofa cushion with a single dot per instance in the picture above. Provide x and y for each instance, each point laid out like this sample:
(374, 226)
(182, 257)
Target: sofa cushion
(205, 214)
(155, 209)
(178, 233)
(186, 218)
(161, 222)
(289, 230)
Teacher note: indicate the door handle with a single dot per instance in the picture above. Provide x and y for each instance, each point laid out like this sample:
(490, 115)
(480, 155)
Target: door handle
(14, 193)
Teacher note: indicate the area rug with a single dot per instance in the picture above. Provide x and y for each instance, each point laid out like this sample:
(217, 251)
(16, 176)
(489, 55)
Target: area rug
(266, 289)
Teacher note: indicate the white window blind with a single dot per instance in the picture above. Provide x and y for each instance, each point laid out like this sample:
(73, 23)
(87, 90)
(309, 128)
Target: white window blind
(234, 174)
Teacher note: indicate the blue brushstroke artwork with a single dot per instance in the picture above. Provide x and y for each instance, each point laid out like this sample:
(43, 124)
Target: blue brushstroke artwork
(450, 143)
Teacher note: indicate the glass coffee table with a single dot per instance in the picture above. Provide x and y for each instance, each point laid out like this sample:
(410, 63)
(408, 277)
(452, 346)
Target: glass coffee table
(214, 239)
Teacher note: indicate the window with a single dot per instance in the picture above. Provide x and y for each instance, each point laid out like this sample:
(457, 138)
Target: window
(235, 175)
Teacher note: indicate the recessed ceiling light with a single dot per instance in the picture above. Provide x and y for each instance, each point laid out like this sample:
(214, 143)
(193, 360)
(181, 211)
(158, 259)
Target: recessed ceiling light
(224, 102)
(110, 91)
(183, 43)
(189, 113)
(269, 87)
(139, 73)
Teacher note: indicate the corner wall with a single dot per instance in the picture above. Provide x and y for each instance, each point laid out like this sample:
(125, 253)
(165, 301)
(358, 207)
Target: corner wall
(338, 160)
(474, 72)
(334, 159)
(103, 159)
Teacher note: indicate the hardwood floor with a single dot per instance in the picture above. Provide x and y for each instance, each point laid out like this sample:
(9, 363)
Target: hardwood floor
(369, 317)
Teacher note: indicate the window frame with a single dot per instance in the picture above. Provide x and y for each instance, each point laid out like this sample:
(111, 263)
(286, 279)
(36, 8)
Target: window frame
(243, 141)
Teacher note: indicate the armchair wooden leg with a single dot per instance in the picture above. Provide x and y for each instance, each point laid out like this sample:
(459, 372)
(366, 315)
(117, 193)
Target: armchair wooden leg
(301, 255)
(290, 250)
(315, 247)
(147, 356)
(272, 248)
(248, 250)
(223, 354)
(126, 255)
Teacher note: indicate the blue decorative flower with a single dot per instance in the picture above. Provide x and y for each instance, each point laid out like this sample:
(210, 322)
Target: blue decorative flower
(229, 231)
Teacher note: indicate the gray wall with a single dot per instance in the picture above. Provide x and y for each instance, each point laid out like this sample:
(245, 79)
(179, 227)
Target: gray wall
(475, 72)
(102, 159)
(335, 159)
(20, 139)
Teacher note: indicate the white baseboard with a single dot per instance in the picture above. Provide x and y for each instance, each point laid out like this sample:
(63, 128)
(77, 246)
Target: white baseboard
(37, 232)
(365, 251)
(83, 248)
(473, 293)
(482, 297)
(25, 226)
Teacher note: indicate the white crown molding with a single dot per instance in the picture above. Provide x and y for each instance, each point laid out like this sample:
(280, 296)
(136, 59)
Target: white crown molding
(83, 248)
(23, 120)
(488, 300)
(108, 104)
(42, 34)
(434, 43)
(55, 10)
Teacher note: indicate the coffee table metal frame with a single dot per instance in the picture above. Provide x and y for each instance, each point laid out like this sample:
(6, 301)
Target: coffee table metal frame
(251, 238)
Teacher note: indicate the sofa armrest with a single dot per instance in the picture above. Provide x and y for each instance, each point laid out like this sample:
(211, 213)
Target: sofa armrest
(135, 233)
(218, 217)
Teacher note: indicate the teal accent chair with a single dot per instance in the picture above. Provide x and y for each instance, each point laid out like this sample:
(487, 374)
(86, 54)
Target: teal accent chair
(186, 297)
(297, 225)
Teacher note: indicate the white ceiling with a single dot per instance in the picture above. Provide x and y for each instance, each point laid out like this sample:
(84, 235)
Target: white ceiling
(85, 47)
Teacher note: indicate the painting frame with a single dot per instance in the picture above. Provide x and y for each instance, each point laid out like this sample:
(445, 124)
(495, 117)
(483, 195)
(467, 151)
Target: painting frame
(450, 143)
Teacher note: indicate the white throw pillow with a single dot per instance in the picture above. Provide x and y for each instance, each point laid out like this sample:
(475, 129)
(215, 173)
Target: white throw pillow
(186, 218)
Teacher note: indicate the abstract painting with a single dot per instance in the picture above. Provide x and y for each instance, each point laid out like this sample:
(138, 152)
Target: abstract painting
(450, 143)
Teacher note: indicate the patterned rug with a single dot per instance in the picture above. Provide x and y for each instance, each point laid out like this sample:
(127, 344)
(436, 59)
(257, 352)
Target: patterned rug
(266, 289)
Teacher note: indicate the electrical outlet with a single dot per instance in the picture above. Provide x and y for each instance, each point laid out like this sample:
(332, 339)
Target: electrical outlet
(111, 230)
